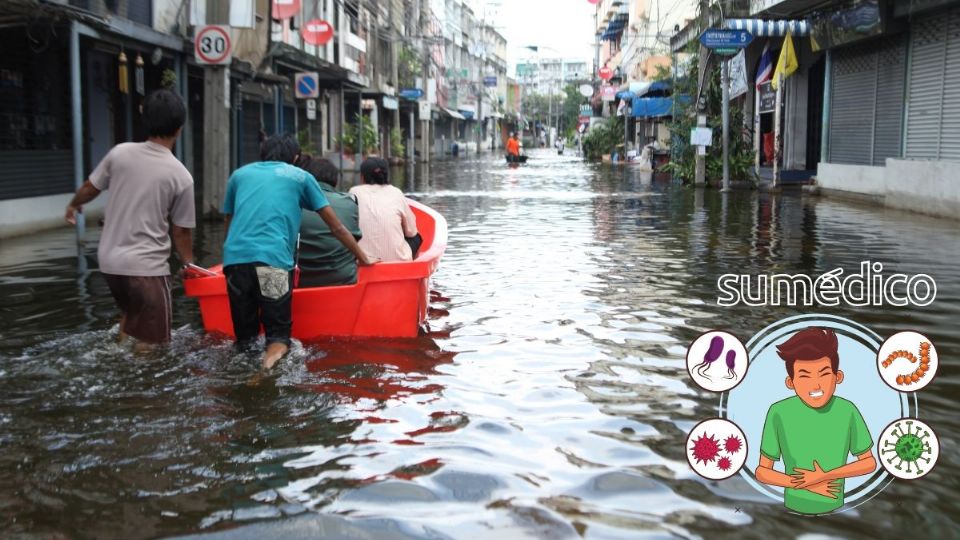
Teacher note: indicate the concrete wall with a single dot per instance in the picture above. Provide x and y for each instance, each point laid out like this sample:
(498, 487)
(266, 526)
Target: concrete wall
(24, 216)
(926, 187)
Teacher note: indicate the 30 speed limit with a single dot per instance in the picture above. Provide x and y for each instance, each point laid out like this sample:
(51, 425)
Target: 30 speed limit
(212, 44)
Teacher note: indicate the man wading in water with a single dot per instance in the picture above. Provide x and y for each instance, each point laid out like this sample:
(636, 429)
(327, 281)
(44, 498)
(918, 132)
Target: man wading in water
(263, 209)
(151, 199)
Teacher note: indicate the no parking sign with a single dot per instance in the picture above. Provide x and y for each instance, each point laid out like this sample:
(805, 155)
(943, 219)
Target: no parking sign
(306, 85)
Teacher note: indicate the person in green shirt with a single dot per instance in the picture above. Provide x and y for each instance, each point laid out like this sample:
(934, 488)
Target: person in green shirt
(323, 259)
(814, 432)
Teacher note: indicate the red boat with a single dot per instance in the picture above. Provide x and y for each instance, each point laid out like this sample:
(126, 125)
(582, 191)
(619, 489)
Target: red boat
(388, 300)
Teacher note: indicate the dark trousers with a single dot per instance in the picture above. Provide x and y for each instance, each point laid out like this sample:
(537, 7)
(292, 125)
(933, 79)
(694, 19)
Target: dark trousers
(249, 308)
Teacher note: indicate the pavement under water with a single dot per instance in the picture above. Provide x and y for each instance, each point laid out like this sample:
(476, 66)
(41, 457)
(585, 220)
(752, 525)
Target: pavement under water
(549, 397)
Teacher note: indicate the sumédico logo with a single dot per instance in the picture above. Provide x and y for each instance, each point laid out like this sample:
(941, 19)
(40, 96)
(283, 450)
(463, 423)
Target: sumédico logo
(869, 287)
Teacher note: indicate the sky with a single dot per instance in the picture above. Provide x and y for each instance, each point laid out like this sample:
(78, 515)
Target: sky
(559, 27)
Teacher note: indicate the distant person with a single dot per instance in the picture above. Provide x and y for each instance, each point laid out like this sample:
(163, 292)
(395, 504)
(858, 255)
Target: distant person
(385, 217)
(324, 260)
(513, 145)
(151, 200)
(262, 207)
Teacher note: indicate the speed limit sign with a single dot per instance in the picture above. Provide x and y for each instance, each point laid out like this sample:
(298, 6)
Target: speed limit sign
(212, 44)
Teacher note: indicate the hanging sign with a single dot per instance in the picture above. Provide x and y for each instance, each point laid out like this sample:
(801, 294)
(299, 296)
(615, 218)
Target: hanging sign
(768, 97)
(586, 90)
(701, 136)
(738, 75)
(317, 32)
(608, 93)
(285, 9)
(605, 73)
(212, 45)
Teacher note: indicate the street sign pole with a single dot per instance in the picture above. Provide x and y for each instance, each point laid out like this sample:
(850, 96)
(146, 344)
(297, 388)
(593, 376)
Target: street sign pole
(725, 83)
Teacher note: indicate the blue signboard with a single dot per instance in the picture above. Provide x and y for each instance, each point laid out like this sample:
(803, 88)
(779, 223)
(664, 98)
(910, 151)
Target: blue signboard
(411, 93)
(718, 38)
(489, 81)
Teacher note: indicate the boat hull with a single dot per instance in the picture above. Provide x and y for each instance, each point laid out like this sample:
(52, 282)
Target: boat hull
(388, 300)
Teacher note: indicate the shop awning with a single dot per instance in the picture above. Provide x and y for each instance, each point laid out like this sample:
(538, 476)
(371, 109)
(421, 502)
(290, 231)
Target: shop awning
(453, 114)
(652, 107)
(616, 24)
(466, 115)
(765, 28)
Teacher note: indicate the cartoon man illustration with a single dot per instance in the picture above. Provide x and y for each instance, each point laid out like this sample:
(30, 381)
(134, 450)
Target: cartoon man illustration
(814, 432)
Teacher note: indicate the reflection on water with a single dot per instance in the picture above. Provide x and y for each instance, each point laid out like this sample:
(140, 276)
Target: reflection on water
(548, 399)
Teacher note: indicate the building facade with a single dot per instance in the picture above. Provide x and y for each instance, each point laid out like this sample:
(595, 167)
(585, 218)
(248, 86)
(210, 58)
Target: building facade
(73, 74)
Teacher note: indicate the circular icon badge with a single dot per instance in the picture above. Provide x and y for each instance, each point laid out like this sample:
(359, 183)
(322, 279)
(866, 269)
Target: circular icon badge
(908, 448)
(717, 361)
(716, 449)
(907, 361)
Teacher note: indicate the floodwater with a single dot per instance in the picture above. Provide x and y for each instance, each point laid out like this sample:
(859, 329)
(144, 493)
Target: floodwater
(548, 399)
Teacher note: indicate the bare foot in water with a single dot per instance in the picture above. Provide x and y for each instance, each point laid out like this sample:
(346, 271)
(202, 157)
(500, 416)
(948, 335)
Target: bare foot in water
(273, 354)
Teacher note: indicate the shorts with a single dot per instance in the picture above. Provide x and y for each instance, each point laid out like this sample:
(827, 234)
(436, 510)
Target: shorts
(145, 304)
(259, 295)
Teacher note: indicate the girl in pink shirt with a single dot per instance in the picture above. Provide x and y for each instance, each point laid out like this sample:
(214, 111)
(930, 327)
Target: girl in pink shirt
(385, 218)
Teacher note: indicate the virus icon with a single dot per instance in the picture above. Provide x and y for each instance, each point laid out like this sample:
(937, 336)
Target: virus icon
(705, 448)
(906, 449)
(732, 444)
(724, 463)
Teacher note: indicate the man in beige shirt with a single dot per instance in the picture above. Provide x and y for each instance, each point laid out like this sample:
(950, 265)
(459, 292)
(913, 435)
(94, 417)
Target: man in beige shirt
(151, 199)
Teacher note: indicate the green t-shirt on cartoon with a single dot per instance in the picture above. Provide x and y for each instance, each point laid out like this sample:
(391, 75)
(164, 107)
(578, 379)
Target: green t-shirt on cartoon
(802, 434)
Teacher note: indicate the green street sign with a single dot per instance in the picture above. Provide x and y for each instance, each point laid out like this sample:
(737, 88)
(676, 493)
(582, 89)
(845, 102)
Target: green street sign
(726, 52)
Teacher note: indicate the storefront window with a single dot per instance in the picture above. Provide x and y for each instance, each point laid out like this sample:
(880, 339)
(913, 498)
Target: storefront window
(34, 91)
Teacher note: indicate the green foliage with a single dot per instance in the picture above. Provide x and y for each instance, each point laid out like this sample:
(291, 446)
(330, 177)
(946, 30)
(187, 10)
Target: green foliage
(683, 155)
(168, 79)
(603, 138)
(663, 73)
(571, 107)
(306, 143)
(353, 132)
(409, 65)
(396, 143)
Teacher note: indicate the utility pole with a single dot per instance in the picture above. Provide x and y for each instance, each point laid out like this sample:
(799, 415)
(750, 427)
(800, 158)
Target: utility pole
(216, 121)
(700, 174)
(395, 71)
(725, 82)
(425, 122)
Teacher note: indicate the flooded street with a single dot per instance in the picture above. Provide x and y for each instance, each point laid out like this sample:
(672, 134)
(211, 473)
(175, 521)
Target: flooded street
(548, 399)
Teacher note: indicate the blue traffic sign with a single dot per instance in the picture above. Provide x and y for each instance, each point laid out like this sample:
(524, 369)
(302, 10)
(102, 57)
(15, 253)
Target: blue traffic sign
(411, 93)
(306, 85)
(718, 38)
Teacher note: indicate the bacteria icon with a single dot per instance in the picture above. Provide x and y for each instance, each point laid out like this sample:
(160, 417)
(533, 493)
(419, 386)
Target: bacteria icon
(908, 448)
(717, 361)
(897, 353)
(716, 449)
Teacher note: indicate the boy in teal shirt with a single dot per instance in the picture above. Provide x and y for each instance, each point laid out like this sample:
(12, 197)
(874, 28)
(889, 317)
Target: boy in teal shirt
(262, 207)
(815, 431)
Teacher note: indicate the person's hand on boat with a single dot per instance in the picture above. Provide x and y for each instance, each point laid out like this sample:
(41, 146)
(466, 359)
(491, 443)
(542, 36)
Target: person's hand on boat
(368, 260)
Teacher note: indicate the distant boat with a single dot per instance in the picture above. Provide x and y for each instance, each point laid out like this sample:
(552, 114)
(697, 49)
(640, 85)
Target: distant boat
(516, 159)
(389, 299)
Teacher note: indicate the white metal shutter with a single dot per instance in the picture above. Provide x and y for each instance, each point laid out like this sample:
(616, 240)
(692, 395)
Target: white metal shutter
(852, 102)
(866, 102)
(933, 98)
